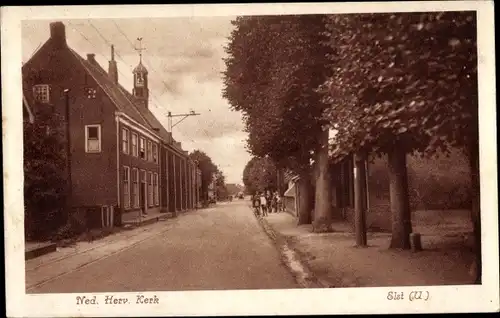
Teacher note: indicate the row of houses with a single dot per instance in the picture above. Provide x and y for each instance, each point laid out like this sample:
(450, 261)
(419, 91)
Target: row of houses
(120, 155)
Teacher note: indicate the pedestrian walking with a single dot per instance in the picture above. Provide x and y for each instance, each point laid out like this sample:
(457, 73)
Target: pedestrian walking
(263, 204)
(269, 201)
(275, 202)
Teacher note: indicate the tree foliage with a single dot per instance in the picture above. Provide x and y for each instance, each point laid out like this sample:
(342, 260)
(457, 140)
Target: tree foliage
(250, 186)
(403, 83)
(207, 168)
(260, 174)
(273, 65)
(402, 80)
(44, 174)
(220, 185)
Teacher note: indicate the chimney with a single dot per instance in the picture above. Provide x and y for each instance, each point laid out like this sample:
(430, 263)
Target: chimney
(58, 34)
(113, 67)
(91, 58)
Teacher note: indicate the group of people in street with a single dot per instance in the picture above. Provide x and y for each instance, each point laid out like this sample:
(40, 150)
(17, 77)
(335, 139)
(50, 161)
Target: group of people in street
(267, 202)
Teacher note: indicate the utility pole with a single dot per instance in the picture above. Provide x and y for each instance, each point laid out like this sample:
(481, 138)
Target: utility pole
(184, 116)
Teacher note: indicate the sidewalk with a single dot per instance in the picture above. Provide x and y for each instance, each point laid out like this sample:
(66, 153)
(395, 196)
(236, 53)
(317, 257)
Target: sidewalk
(334, 259)
(67, 259)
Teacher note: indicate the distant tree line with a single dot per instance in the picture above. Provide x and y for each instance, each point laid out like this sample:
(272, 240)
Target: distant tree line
(209, 173)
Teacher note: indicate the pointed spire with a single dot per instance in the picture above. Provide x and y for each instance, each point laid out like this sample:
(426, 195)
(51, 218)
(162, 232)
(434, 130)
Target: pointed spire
(112, 52)
(140, 49)
(140, 67)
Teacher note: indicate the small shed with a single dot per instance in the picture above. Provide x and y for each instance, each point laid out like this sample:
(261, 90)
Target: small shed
(291, 195)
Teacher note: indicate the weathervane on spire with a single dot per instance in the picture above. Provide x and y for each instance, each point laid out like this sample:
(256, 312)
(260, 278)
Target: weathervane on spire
(140, 48)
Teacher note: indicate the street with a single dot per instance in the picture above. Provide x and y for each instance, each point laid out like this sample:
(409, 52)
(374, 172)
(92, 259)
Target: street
(222, 247)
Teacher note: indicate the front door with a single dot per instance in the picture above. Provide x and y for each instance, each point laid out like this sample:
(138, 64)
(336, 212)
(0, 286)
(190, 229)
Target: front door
(142, 197)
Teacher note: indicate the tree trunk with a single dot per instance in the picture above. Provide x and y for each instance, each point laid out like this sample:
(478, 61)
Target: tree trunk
(360, 200)
(476, 211)
(305, 204)
(400, 199)
(323, 203)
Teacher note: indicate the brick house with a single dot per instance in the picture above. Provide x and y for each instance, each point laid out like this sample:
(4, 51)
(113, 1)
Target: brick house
(121, 155)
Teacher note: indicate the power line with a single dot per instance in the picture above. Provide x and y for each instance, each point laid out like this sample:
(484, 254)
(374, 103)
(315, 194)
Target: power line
(121, 73)
(119, 56)
(150, 65)
(87, 39)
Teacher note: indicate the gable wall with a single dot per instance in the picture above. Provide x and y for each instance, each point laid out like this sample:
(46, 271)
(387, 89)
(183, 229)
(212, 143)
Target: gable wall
(93, 174)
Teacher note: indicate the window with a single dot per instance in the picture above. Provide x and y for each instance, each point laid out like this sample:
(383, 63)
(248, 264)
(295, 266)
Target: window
(93, 138)
(139, 79)
(135, 188)
(135, 152)
(41, 93)
(125, 147)
(150, 151)
(150, 189)
(144, 195)
(126, 187)
(142, 150)
(155, 186)
(155, 153)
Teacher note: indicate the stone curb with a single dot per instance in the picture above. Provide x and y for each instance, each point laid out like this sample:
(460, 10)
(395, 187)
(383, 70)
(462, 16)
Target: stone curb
(41, 250)
(305, 277)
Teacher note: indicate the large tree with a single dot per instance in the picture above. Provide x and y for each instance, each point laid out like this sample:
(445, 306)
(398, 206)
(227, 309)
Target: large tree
(403, 83)
(207, 168)
(45, 182)
(274, 65)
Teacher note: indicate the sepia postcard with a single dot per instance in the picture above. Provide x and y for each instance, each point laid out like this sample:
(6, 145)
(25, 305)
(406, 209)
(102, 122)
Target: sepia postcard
(250, 159)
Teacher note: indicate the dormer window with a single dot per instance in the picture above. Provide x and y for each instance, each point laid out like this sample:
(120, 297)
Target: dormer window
(41, 93)
(139, 79)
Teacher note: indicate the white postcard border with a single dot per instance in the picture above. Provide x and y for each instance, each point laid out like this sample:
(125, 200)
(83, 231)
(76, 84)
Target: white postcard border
(241, 302)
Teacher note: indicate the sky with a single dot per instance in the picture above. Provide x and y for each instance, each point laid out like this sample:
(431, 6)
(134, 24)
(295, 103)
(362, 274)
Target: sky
(184, 57)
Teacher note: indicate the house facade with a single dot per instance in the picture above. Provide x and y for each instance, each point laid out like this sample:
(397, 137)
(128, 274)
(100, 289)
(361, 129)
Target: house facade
(122, 158)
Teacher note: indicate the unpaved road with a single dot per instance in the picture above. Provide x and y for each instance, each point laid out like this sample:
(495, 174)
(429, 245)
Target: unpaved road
(210, 249)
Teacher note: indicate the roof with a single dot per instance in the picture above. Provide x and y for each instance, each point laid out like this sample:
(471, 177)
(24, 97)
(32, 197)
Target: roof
(153, 122)
(290, 176)
(124, 100)
(140, 69)
(290, 192)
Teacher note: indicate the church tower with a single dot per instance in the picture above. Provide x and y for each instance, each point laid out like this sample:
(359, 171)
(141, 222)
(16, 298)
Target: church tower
(141, 91)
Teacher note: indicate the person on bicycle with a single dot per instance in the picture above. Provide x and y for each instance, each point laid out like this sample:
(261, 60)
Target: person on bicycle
(256, 204)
